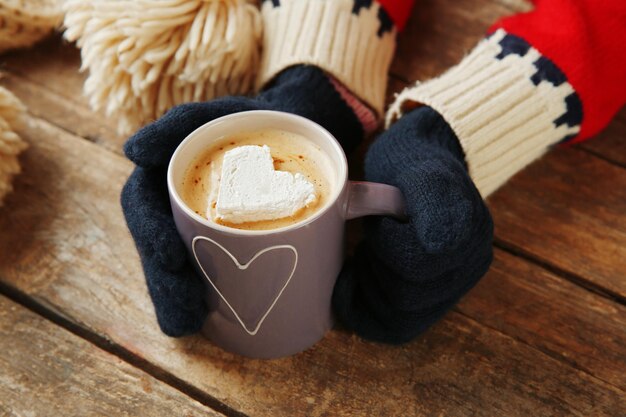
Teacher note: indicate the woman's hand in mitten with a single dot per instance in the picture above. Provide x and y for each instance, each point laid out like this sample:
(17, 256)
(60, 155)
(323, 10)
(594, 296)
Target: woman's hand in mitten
(176, 291)
(405, 276)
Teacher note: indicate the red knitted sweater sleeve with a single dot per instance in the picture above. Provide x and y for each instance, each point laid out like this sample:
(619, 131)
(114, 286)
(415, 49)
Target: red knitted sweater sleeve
(585, 39)
(398, 10)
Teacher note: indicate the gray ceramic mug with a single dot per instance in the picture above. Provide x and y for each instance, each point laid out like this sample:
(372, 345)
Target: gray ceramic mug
(269, 291)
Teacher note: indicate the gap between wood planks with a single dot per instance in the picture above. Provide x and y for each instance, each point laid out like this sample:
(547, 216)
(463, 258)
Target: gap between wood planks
(158, 373)
(42, 362)
(561, 273)
(63, 111)
(600, 156)
(186, 388)
(521, 340)
(119, 351)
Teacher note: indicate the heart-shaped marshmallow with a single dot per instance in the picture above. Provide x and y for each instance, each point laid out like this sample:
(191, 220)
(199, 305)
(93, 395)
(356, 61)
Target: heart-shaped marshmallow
(251, 190)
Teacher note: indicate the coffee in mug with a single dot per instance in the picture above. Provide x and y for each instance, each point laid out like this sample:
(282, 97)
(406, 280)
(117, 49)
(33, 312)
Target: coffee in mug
(288, 180)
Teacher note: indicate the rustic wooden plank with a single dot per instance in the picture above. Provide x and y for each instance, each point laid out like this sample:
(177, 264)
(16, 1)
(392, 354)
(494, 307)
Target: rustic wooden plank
(64, 112)
(47, 371)
(47, 79)
(610, 144)
(65, 245)
(440, 32)
(53, 63)
(568, 210)
(552, 314)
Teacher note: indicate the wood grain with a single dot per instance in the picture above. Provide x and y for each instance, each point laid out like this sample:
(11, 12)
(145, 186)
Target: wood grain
(64, 112)
(553, 315)
(53, 64)
(47, 371)
(568, 210)
(47, 79)
(65, 245)
(440, 32)
(610, 144)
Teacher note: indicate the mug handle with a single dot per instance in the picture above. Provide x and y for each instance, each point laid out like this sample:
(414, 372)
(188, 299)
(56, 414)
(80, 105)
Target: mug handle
(372, 198)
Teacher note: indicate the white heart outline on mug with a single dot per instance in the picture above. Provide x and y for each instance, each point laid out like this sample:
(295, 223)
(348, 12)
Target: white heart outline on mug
(244, 267)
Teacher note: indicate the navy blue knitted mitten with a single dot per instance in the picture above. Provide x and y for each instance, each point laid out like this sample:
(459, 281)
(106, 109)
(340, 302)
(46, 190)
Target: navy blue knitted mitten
(175, 289)
(405, 276)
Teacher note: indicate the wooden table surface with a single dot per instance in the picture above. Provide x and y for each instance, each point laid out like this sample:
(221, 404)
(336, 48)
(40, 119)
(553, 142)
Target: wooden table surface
(544, 333)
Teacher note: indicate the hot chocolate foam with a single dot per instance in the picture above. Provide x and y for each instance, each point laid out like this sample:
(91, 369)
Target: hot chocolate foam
(290, 153)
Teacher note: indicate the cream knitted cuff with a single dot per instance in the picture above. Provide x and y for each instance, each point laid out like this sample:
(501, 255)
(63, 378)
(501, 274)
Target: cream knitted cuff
(329, 34)
(506, 106)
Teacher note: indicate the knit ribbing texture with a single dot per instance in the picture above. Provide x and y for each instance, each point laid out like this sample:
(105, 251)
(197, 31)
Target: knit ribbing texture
(331, 35)
(504, 117)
